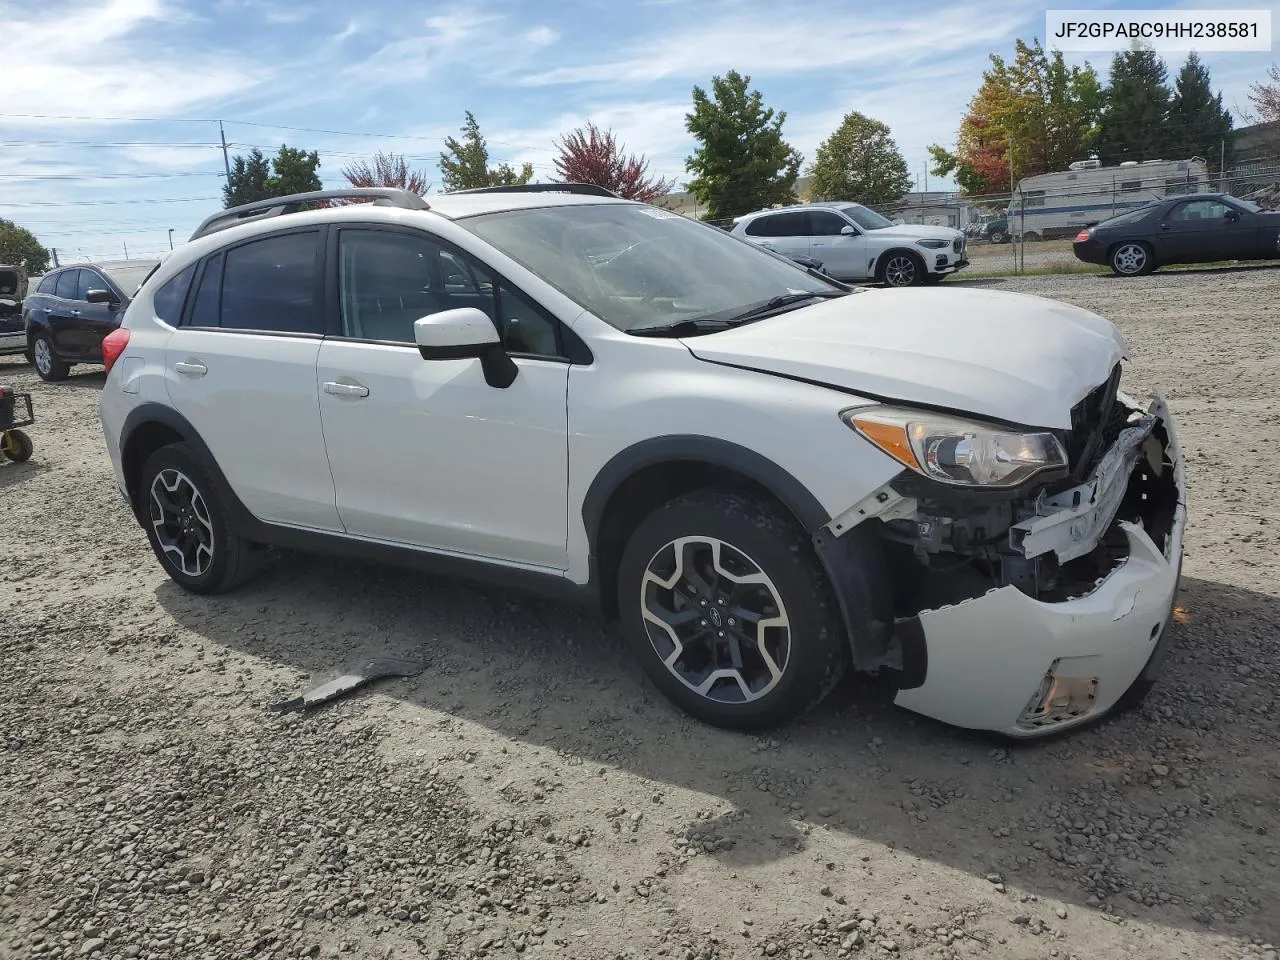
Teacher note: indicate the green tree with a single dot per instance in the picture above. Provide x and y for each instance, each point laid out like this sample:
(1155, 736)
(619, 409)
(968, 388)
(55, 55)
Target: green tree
(294, 171)
(860, 162)
(742, 163)
(1035, 114)
(254, 178)
(1199, 125)
(1135, 118)
(19, 247)
(249, 180)
(465, 163)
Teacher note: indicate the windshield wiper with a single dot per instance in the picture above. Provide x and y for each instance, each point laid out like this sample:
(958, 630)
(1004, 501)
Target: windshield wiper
(732, 318)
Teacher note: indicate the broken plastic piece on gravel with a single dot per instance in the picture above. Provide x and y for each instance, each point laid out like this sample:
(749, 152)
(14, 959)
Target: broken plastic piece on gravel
(352, 677)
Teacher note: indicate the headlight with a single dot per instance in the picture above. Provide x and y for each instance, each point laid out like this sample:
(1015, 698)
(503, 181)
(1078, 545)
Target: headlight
(956, 451)
(934, 244)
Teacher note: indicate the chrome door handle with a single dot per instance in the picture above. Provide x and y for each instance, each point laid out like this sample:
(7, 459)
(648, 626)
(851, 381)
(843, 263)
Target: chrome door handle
(75, 313)
(194, 369)
(346, 389)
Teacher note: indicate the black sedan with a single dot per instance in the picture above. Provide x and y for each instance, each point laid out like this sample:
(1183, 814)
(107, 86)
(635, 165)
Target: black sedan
(1193, 228)
(74, 308)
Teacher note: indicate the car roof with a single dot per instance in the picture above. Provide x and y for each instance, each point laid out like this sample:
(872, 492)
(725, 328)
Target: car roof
(464, 204)
(794, 207)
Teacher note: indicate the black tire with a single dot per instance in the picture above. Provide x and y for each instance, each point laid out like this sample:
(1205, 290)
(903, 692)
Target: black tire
(890, 269)
(1031, 237)
(234, 559)
(933, 279)
(998, 236)
(1131, 258)
(764, 534)
(49, 366)
(16, 446)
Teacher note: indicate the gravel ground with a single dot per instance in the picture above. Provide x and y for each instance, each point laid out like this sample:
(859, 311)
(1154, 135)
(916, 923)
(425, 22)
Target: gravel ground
(529, 794)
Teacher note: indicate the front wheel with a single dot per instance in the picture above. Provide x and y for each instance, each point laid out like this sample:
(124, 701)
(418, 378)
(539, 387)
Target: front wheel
(998, 236)
(1132, 259)
(184, 514)
(727, 608)
(49, 365)
(902, 270)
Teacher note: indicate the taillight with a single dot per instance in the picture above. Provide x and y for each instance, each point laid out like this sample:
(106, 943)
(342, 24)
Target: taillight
(113, 345)
(1081, 237)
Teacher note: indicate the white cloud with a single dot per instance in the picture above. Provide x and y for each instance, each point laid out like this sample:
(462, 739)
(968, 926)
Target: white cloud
(90, 59)
(482, 43)
(774, 40)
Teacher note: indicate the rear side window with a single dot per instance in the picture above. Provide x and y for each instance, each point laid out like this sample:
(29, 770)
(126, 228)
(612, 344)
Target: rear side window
(47, 284)
(67, 282)
(781, 225)
(271, 285)
(167, 301)
(204, 311)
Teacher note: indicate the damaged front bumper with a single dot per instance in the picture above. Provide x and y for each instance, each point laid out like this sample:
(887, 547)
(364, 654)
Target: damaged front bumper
(1010, 662)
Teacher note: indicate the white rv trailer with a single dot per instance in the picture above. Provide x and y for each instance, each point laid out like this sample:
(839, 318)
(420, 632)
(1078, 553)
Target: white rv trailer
(1054, 205)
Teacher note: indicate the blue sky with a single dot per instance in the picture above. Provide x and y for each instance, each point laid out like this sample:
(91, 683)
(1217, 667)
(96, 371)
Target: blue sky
(399, 75)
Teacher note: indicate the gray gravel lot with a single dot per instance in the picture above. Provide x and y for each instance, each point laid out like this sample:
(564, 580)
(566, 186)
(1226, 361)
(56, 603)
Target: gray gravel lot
(530, 795)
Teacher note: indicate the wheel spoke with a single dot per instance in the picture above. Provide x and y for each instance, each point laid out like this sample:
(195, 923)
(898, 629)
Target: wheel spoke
(726, 636)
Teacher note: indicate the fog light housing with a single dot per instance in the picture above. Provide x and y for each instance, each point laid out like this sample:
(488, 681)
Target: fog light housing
(1059, 698)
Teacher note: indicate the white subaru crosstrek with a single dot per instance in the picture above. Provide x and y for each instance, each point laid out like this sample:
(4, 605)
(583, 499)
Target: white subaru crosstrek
(854, 242)
(767, 477)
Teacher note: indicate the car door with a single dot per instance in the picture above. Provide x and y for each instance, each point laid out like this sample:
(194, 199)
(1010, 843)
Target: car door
(241, 368)
(64, 313)
(1198, 231)
(424, 452)
(844, 255)
(95, 320)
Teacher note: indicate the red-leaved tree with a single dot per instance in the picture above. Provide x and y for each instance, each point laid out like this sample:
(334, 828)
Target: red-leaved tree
(595, 156)
(386, 170)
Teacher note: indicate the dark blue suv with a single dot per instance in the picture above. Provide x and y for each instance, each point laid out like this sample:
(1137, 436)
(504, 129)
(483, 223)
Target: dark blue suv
(74, 308)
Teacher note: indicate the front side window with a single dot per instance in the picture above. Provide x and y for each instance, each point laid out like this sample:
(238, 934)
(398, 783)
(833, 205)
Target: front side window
(1199, 211)
(89, 280)
(826, 224)
(68, 281)
(387, 280)
(271, 285)
(639, 267)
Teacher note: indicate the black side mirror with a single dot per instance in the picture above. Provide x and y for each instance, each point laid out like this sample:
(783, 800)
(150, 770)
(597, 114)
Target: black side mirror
(1231, 216)
(101, 296)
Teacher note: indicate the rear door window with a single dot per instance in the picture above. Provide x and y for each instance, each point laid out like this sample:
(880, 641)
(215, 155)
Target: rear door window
(272, 285)
(167, 301)
(205, 308)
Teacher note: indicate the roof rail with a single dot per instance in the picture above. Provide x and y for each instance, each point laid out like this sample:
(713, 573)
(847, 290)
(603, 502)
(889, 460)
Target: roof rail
(585, 189)
(276, 206)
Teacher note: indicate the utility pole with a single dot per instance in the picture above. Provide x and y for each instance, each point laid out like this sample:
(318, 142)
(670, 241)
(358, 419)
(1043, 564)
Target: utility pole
(225, 162)
(1008, 224)
(126, 248)
(171, 238)
(54, 251)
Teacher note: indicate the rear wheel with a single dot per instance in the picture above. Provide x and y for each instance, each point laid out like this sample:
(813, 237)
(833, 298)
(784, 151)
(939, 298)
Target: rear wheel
(48, 364)
(1131, 259)
(902, 269)
(727, 608)
(184, 514)
(16, 445)
(998, 236)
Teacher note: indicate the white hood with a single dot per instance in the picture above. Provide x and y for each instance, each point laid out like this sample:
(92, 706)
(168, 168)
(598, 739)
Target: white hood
(915, 231)
(1005, 356)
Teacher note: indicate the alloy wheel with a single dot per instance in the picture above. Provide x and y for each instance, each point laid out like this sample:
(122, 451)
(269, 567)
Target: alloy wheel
(43, 356)
(900, 271)
(180, 518)
(715, 619)
(1130, 258)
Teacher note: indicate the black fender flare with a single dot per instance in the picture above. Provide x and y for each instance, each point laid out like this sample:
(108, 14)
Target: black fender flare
(694, 448)
(242, 521)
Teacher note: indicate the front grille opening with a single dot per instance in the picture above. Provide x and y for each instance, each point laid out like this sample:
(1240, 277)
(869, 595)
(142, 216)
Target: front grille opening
(1096, 422)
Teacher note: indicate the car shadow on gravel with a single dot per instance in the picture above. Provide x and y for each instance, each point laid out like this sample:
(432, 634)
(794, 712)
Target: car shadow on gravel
(1166, 813)
(15, 474)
